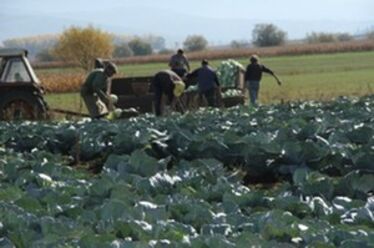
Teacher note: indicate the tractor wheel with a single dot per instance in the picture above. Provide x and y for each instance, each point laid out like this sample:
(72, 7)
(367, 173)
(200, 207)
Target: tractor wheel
(20, 105)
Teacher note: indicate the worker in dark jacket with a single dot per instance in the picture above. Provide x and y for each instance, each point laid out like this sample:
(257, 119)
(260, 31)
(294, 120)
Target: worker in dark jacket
(166, 83)
(207, 82)
(253, 75)
(179, 64)
(94, 90)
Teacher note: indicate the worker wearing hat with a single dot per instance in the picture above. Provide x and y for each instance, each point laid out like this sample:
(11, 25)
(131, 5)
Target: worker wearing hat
(94, 90)
(179, 64)
(166, 83)
(207, 82)
(253, 75)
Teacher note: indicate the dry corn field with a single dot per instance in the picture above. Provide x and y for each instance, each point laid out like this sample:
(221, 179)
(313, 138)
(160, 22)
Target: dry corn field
(290, 49)
(61, 82)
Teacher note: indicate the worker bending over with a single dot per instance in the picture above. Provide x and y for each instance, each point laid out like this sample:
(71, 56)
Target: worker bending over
(94, 90)
(166, 83)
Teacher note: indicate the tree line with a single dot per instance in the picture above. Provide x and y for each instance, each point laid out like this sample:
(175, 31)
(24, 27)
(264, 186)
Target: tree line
(46, 48)
(42, 47)
(81, 45)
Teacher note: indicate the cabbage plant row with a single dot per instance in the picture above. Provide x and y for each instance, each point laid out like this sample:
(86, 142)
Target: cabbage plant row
(290, 175)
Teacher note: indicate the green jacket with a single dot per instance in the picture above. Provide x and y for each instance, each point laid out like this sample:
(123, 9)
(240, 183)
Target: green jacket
(96, 83)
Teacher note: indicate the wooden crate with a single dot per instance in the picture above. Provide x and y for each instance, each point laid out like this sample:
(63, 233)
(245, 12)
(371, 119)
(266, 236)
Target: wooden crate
(131, 86)
(133, 92)
(143, 103)
(232, 101)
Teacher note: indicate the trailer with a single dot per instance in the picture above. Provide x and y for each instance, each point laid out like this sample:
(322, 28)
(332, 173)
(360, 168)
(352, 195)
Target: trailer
(136, 92)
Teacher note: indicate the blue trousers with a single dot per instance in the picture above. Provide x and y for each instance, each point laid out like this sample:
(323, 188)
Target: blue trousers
(253, 89)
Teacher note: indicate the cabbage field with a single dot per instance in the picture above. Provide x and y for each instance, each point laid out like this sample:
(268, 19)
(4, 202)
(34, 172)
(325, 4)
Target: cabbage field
(291, 175)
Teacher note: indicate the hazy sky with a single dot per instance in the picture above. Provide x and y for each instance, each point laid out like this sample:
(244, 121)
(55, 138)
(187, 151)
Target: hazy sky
(219, 20)
(253, 9)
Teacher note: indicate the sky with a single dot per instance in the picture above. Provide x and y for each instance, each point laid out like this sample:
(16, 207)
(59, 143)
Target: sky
(170, 18)
(253, 9)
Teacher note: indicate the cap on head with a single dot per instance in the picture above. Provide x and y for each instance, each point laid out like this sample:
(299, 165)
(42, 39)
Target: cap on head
(99, 63)
(180, 51)
(204, 62)
(254, 58)
(111, 66)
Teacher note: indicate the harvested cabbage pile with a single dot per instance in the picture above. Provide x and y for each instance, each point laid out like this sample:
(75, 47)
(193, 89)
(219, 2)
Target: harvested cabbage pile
(228, 72)
(232, 93)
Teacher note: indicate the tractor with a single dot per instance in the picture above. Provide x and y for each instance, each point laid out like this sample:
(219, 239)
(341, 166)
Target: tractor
(21, 95)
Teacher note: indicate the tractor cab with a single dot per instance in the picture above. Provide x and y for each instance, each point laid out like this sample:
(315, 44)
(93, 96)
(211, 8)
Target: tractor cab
(14, 67)
(21, 96)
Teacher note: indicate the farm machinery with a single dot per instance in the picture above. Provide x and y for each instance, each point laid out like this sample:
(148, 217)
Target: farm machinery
(21, 95)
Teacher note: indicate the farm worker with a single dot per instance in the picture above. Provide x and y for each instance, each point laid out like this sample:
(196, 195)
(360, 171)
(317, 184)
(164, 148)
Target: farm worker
(94, 90)
(253, 75)
(179, 63)
(166, 83)
(207, 82)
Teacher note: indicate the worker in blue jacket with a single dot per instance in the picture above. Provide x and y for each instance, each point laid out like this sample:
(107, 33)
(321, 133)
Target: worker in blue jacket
(207, 82)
